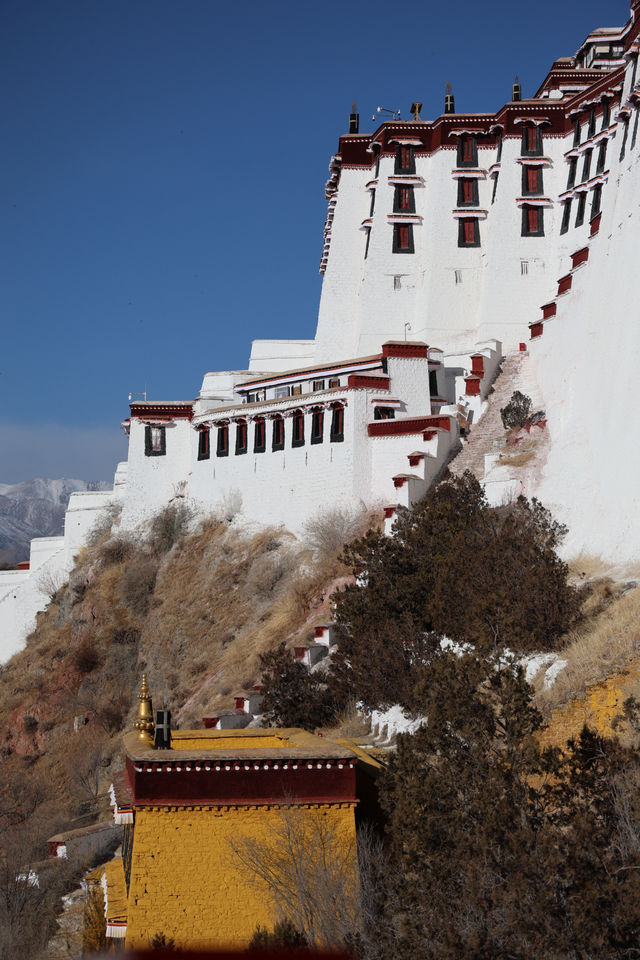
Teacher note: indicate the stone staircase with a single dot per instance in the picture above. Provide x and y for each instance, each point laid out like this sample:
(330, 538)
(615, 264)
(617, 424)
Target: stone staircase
(516, 374)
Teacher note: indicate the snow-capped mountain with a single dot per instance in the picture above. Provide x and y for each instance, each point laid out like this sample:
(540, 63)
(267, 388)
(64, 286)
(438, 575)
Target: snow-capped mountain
(35, 508)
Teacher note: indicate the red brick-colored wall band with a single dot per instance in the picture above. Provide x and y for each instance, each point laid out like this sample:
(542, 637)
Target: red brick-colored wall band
(549, 310)
(244, 786)
(477, 365)
(564, 284)
(420, 350)
(536, 330)
(595, 225)
(472, 386)
(161, 412)
(580, 256)
(362, 382)
(400, 428)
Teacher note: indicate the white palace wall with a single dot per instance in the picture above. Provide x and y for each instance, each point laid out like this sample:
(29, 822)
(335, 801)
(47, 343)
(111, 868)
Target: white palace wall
(403, 400)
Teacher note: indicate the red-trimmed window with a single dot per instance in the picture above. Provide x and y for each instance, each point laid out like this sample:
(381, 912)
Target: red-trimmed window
(155, 441)
(337, 424)
(203, 444)
(334, 382)
(317, 426)
(222, 447)
(532, 179)
(532, 221)
(403, 238)
(277, 435)
(405, 161)
(384, 413)
(259, 436)
(467, 192)
(318, 385)
(531, 140)
(241, 437)
(468, 232)
(467, 149)
(404, 200)
(297, 429)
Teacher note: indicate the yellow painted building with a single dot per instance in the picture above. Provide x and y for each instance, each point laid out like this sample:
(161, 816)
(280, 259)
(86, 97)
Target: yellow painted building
(199, 814)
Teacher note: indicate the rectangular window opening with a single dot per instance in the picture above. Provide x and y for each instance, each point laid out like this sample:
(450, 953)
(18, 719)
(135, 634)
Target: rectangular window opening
(317, 426)
(457, 276)
(222, 446)
(241, 438)
(532, 221)
(524, 268)
(582, 202)
(155, 441)
(403, 238)
(203, 444)
(397, 283)
(566, 216)
(259, 436)
(297, 431)
(277, 435)
(337, 425)
(468, 232)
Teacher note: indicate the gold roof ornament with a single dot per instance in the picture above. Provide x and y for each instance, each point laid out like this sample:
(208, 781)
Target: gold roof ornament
(144, 722)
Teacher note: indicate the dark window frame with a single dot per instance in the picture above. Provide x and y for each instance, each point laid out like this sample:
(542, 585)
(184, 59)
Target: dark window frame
(336, 434)
(317, 426)
(401, 156)
(462, 241)
(259, 435)
(596, 201)
(384, 413)
(539, 189)
(577, 130)
(566, 216)
(297, 429)
(586, 166)
(591, 129)
(242, 438)
(399, 188)
(472, 159)
(500, 145)
(410, 248)
(495, 189)
(573, 172)
(606, 113)
(204, 444)
(582, 204)
(526, 230)
(149, 450)
(474, 202)
(525, 150)
(222, 441)
(277, 433)
(602, 156)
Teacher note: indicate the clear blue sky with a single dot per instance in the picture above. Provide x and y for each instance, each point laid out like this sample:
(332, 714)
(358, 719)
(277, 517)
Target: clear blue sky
(162, 182)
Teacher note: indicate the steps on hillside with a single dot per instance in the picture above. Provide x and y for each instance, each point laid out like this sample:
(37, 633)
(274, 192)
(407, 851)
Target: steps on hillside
(516, 374)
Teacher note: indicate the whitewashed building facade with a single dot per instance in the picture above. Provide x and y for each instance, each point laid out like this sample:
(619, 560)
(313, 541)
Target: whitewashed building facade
(446, 243)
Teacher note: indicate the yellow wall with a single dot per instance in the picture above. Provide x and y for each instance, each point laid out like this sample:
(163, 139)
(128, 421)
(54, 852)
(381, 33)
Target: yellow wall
(187, 882)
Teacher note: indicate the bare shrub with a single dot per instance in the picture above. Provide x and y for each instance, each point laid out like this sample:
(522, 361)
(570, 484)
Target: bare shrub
(231, 505)
(269, 571)
(51, 583)
(116, 550)
(104, 523)
(138, 583)
(168, 526)
(309, 869)
(86, 656)
(329, 530)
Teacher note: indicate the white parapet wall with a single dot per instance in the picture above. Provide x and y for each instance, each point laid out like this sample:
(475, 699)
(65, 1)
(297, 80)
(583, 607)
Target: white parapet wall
(24, 593)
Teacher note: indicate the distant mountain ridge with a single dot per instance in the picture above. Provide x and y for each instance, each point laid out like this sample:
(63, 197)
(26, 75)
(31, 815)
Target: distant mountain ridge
(35, 508)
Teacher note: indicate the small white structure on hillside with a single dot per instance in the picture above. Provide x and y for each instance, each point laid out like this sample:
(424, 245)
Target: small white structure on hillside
(443, 241)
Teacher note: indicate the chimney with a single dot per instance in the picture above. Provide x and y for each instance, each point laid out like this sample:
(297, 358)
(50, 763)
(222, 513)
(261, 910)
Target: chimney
(516, 90)
(449, 102)
(354, 119)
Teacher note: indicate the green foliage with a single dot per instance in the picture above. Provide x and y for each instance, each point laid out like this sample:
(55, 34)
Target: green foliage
(505, 851)
(284, 935)
(293, 697)
(455, 567)
(517, 410)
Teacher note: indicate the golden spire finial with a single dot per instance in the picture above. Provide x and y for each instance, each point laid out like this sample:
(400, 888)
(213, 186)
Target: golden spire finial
(144, 722)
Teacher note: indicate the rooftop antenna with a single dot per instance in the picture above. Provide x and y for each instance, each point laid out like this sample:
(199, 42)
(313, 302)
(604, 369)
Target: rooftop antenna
(386, 112)
(354, 119)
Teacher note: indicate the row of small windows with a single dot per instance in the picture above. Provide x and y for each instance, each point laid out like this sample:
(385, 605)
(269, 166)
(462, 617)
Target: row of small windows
(591, 127)
(581, 205)
(293, 390)
(317, 435)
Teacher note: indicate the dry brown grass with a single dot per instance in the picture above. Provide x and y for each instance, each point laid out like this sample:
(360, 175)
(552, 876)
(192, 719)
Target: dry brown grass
(517, 459)
(351, 724)
(604, 643)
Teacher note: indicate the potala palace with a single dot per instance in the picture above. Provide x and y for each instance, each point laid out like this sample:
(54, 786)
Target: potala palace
(450, 245)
